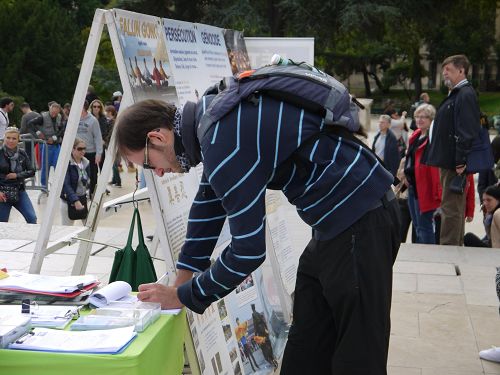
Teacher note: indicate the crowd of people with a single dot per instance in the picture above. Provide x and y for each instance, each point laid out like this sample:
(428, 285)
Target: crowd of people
(427, 170)
(42, 134)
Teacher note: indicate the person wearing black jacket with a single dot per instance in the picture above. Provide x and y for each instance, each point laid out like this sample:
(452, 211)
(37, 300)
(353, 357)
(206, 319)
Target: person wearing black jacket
(385, 145)
(15, 167)
(455, 127)
(75, 182)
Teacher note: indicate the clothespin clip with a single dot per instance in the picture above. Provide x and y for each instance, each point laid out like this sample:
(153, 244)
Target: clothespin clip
(25, 306)
(3, 273)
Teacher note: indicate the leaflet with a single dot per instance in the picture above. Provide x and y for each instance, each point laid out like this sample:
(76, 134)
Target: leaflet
(110, 341)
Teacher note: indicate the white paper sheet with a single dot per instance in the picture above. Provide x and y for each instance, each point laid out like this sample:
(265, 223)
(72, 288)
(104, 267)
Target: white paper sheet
(117, 290)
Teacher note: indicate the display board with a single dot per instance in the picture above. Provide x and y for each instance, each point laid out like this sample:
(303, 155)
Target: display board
(260, 50)
(245, 332)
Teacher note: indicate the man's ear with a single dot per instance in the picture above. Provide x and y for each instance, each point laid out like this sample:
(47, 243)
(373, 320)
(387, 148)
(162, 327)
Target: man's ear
(159, 136)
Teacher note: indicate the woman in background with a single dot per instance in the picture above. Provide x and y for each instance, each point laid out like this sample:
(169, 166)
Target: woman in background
(75, 182)
(15, 167)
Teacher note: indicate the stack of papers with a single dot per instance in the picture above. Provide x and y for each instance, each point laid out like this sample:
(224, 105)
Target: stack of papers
(64, 286)
(110, 341)
(43, 316)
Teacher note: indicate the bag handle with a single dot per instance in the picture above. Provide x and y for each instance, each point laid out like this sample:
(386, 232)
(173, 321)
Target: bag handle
(131, 230)
(140, 234)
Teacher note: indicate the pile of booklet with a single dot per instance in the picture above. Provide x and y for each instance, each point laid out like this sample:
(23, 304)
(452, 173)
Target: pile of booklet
(46, 289)
(109, 341)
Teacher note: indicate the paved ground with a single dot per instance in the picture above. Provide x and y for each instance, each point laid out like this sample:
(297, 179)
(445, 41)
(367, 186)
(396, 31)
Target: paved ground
(444, 304)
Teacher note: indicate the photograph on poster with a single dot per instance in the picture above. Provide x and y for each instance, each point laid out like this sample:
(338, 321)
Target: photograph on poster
(245, 284)
(232, 354)
(190, 317)
(227, 331)
(218, 361)
(221, 305)
(196, 340)
(259, 325)
(237, 368)
(236, 51)
(201, 361)
(214, 366)
(145, 54)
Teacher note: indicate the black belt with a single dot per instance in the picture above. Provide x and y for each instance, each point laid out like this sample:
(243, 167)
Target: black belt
(384, 201)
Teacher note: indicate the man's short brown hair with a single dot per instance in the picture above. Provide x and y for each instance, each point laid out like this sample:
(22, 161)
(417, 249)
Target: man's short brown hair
(458, 61)
(134, 123)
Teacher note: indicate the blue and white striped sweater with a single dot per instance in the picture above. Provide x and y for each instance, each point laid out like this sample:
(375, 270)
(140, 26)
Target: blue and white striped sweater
(243, 155)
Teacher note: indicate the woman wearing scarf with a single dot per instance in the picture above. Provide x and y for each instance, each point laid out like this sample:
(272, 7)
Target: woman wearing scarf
(15, 167)
(75, 182)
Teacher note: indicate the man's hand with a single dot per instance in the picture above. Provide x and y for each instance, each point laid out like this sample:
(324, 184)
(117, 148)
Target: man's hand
(166, 295)
(11, 176)
(3, 198)
(468, 219)
(460, 169)
(79, 205)
(97, 158)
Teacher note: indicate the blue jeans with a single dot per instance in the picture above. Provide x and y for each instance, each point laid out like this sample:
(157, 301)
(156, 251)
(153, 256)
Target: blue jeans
(52, 155)
(423, 222)
(24, 206)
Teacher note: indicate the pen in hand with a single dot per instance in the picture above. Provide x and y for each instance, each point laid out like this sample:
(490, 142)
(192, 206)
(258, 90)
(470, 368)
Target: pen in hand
(159, 281)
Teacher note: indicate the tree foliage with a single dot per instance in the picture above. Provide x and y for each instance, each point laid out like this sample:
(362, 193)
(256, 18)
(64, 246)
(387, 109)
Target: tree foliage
(382, 39)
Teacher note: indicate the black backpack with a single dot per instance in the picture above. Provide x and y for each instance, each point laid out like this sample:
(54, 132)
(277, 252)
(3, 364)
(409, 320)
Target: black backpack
(298, 84)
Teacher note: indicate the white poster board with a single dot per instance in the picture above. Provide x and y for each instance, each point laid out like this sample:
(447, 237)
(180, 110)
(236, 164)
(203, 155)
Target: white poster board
(195, 56)
(260, 50)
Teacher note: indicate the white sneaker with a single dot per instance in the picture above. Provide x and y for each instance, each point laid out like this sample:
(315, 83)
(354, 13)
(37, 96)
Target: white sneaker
(492, 354)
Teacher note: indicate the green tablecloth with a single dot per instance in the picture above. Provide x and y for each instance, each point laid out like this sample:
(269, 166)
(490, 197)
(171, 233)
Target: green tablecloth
(157, 350)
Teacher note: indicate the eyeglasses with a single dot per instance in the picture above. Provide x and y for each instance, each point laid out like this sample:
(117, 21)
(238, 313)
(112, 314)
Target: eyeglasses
(421, 117)
(96, 106)
(146, 164)
(81, 148)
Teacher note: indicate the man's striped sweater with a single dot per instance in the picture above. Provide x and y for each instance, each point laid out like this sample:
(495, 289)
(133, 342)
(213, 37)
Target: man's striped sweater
(243, 154)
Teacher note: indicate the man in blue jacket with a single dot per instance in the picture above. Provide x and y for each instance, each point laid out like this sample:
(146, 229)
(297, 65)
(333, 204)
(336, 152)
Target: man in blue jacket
(344, 282)
(455, 127)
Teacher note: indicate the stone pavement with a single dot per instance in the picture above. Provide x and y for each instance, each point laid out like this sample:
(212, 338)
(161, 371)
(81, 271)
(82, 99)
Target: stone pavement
(445, 308)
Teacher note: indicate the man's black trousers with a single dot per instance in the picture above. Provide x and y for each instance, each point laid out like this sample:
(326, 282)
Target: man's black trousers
(342, 303)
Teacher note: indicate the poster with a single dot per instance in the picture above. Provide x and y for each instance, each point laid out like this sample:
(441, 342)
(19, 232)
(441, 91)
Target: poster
(287, 255)
(261, 50)
(236, 51)
(183, 46)
(245, 332)
(142, 42)
(178, 192)
(214, 53)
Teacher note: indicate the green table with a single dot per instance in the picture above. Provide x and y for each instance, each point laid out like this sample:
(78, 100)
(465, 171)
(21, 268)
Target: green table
(157, 350)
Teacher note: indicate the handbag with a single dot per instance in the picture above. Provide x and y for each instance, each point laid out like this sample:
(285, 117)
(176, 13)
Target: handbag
(134, 266)
(11, 193)
(457, 183)
(75, 214)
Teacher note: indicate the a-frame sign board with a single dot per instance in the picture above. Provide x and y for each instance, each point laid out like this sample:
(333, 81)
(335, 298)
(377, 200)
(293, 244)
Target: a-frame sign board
(214, 339)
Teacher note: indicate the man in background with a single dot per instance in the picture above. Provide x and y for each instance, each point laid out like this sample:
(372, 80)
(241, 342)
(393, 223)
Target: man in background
(48, 128)
(455, 127)
(6, 106)
(28, 115)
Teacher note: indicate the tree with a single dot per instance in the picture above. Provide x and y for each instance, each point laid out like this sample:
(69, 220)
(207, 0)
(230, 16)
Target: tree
(39, 58)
